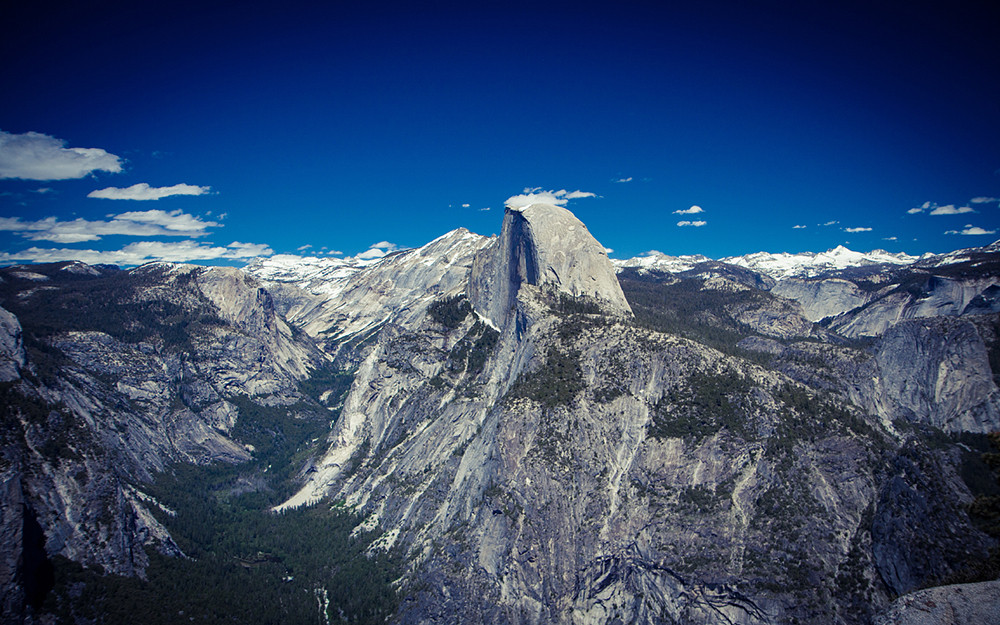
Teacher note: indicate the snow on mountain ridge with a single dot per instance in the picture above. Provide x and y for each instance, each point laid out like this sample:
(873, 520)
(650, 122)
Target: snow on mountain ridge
(810, 264)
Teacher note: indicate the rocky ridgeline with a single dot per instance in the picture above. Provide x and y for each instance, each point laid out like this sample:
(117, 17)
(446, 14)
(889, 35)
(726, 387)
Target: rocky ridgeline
(687, 441)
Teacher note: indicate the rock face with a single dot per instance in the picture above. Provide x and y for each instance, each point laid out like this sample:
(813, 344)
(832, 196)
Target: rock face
(822, 298)
(108, 377)
(402, 283)
(542, 441)
(960, 604)
(567, 466)
(936, 371)
(545, 246)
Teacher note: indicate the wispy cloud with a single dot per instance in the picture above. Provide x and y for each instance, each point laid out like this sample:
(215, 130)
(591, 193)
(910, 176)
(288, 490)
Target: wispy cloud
(859, 229)
(951, 209)
(984, 200)
(629, 179)
(696, 224)
(694, 210)
(143, 191)
(833, 222)
(142, 252)
(932, 208)
(889, 239)
(798, 227)
(134, 223)
(35, 156)
(536, 195)
(971, 230)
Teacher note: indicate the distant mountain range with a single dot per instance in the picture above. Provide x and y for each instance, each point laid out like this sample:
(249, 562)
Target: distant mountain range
(508, 429)
(326, 274)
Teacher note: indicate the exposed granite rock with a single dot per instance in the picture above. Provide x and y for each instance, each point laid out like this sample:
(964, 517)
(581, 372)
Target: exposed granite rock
(545, 246)
(959, 604)
(11, 347)
(935, 371)
(821, 298)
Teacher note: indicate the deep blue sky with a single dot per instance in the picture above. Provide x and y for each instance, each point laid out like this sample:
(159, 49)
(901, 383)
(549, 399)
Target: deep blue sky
(357, 123)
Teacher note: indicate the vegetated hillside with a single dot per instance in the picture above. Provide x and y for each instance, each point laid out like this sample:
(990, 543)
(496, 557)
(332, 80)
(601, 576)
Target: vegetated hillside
(151, 418)
(522, 437)
(715, 456)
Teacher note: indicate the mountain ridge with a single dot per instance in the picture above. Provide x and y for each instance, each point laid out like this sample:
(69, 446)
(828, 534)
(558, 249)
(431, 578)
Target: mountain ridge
(540, 436)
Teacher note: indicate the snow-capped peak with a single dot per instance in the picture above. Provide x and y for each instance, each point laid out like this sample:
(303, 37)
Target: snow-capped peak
(808, 264)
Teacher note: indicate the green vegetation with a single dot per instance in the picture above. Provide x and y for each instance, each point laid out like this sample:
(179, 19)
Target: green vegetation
(121, 304)
(703, 405)
(243, 563)
(450, 311)
(685, 309)
(471, 353)
(246, 566)
(564, 305)
(556, 382)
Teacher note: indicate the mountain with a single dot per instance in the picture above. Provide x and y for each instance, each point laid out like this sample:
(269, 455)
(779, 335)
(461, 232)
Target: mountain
(810, 265)
(512, 429)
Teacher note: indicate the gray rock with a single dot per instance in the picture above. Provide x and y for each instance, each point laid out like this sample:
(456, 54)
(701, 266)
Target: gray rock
(959, 604)
(548, 247)
(11, 347)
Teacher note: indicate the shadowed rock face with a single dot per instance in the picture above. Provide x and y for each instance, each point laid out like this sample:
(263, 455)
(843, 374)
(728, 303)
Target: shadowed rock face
(545, 246)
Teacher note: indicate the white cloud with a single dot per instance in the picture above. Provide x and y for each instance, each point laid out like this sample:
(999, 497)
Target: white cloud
(951, 209)
(377, 250)
(797, 227)
(608, 251)
(971, 230)
(694, 210)
(889, 239)
(34, 156)
(629, 179)
(303, 248)
(134, 223)
(696, 224)
(947, 209)
(984, 200)
(465, 206)
(485, 208)
(830, 223)
(143, 191)
(860, 229)
(142, 252)
(538, 196)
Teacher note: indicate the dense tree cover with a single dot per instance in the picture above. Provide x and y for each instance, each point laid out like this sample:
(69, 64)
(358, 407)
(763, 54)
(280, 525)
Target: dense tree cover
(450, 311)
(685, 309)
(243, 564)
(109, 303)
(556, 382)
(703, 405)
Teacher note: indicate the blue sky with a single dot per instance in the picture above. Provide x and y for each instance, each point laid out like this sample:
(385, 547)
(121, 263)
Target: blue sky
(288, 128)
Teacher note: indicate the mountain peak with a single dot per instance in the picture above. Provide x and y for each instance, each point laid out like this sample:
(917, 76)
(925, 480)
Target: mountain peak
(542, 245)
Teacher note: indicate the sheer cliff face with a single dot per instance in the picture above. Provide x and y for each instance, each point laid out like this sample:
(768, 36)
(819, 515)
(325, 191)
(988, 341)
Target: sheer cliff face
(543, 459)
(548, 247)
(540, 448)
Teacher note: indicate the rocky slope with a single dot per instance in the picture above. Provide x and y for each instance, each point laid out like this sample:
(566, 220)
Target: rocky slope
(108, 378)
(562, 463)
(542, 435)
